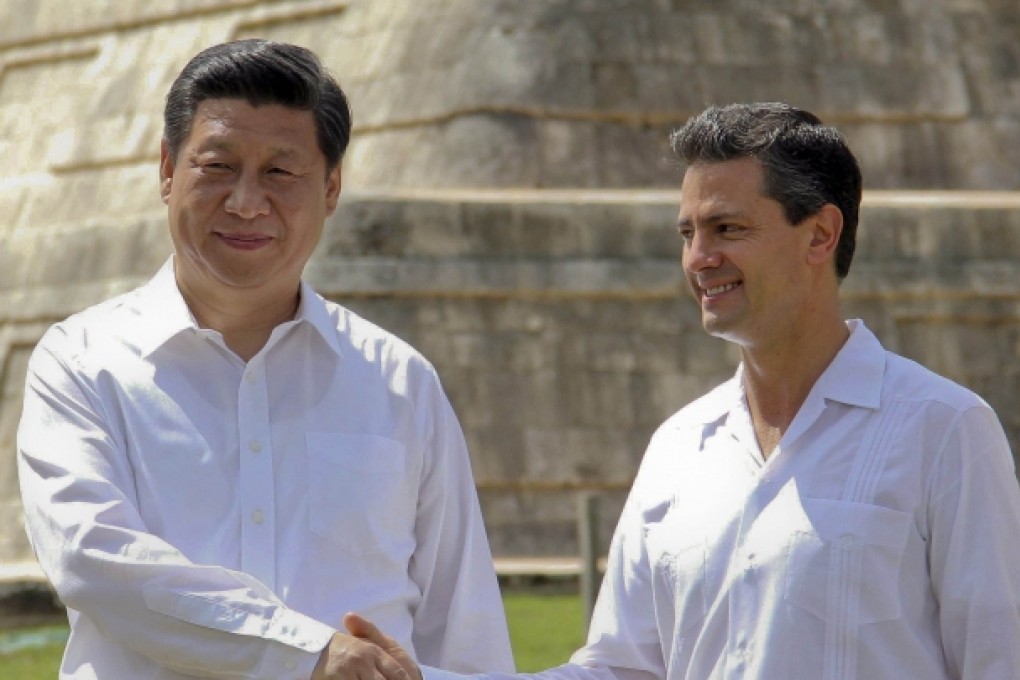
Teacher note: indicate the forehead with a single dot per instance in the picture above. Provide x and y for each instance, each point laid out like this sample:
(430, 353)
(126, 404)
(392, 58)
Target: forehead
(234, 123)
(720, 187)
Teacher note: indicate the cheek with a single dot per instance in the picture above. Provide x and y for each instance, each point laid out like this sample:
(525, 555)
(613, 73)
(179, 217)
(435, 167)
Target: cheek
(685, 260)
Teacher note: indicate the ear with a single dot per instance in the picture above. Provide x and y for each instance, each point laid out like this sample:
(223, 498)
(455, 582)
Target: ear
(166, 171)
(334, 181)
(826, 225)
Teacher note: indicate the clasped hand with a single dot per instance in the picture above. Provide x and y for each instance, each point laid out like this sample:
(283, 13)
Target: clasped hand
(365, 653)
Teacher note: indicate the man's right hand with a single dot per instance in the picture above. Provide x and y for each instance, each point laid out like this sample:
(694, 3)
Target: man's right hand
(362, 628)
(348, 658)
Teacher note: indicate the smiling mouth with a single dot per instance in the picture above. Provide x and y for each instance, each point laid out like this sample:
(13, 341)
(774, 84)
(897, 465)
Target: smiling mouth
(245, 241)
(245, 237)
(719, 290)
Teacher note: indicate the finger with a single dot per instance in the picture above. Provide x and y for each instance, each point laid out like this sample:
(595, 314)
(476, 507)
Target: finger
(391, 669)
(362, 628)
(359, 626)
(351, 658)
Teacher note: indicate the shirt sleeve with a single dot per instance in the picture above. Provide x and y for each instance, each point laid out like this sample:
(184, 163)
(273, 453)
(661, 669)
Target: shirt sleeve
(459, 624)
(624, 641)
(135, 588)
(974, 523)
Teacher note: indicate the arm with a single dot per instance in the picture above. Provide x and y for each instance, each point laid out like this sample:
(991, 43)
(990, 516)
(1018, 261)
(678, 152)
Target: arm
(137, 590)
(459, 625)
(624, 642)
(974, 520)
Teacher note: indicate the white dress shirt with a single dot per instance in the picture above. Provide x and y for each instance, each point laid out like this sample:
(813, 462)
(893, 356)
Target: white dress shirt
(879, 541)
(200, 516)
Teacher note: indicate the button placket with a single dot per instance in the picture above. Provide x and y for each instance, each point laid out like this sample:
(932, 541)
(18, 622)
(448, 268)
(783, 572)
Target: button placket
(258, 531)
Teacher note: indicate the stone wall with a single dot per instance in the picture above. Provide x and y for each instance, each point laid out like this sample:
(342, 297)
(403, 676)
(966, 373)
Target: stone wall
(560, 326)
(509, 201)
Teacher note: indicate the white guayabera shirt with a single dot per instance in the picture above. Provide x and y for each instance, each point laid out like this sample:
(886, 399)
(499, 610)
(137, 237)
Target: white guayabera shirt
(203, 516)
(880, 541)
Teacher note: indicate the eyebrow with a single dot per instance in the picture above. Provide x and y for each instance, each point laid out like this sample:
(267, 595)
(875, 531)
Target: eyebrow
(280, 153)
(712, 218)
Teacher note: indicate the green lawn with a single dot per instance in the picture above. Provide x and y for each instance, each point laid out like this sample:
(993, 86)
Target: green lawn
(545, 630)
(33, 663)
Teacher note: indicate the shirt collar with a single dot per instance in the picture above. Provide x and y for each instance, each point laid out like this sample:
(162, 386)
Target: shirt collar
(164, 314)
(161, 310)
(312, 309)
(854, 377)
(718, 403)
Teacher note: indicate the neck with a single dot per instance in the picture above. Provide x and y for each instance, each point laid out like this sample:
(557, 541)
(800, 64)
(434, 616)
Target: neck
(245, 318)
(778, 378)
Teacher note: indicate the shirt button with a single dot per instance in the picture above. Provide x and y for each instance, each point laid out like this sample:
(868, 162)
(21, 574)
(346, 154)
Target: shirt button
(847, 541)
(250, 377)
(291, 665)
(254, 446)
(258, 517)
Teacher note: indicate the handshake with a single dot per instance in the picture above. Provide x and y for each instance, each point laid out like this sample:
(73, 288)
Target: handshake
(364, 653)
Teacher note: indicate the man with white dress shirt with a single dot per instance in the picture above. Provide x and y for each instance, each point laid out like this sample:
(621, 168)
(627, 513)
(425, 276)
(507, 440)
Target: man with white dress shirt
(219, 465)
(834, 511)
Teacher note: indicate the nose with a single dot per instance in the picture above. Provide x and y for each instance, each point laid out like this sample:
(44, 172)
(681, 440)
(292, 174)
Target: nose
(700, 253)
(247, 197)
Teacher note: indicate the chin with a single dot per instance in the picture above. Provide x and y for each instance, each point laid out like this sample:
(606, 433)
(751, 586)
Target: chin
(724, 329)
(713, 325)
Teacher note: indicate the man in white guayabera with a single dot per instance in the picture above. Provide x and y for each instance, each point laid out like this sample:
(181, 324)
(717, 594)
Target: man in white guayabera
(834, 511)
(219, 465)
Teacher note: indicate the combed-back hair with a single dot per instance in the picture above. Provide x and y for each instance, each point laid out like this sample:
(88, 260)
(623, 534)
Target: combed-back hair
(260, 72)
(806, 163)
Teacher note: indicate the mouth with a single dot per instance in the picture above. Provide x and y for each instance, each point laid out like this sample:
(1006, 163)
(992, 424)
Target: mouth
(714, 291)
(245, 241)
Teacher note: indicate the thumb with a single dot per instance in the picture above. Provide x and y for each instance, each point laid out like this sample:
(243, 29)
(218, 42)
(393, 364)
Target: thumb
(360, 627)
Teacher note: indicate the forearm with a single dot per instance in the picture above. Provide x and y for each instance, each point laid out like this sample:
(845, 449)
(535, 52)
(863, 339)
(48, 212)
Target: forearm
(143, 595)
(137, 590)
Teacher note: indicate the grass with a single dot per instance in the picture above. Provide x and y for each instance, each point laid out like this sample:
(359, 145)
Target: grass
(544, 630)
(35, 663)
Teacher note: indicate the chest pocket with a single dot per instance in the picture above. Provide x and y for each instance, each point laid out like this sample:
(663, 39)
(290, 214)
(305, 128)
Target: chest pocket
(359, 496)
(678, 554)
(847, 556)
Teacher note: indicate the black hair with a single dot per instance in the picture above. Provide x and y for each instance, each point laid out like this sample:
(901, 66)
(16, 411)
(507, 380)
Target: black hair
(260, 72)
(806, 163)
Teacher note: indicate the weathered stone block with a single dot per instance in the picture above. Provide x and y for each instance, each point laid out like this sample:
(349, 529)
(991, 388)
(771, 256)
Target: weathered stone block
(556, 319)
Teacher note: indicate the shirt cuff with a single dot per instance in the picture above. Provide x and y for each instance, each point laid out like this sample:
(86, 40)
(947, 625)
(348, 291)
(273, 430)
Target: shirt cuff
(430, 673)
(295, 658)
(284, 662)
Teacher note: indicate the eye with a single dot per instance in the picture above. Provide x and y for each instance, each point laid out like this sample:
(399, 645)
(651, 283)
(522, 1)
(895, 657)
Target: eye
(283, 172)
(686, 233)
(727, 229)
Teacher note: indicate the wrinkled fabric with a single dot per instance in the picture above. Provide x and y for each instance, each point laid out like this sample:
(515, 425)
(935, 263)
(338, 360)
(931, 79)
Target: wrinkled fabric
(879, 541)
(200, 516)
